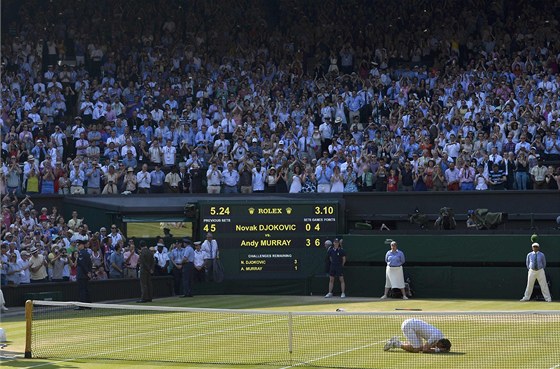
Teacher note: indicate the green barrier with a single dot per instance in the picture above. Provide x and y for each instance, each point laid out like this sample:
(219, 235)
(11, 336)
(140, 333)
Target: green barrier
(441, 248)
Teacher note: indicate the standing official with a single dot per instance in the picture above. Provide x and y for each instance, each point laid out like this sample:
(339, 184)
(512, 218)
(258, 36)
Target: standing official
(188, 264)
(84, 268)
(337, 257)
(536, 262)
(394, 276)
(176, 257)
(146, 262)
(211, 252)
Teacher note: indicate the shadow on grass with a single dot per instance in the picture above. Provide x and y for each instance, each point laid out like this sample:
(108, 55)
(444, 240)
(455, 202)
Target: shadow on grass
(452, 353)
(437, 354)
(28, 363)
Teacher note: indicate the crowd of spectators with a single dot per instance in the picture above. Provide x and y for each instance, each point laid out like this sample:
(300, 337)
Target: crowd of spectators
(279, 96)
(41, 246)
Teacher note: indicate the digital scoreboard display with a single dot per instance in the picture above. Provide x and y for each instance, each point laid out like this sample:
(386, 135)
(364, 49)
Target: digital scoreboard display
(268, 239)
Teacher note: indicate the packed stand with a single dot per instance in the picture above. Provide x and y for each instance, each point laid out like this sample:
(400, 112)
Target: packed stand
(285, 96)
(40, 246)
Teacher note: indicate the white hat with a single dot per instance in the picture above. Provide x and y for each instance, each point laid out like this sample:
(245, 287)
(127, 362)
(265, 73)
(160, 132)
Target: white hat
(535, 245)
(281, 142)
(338, 120)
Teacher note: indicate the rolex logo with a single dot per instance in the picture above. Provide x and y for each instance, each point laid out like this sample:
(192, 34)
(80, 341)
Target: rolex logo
(251, 211)
(288, 211)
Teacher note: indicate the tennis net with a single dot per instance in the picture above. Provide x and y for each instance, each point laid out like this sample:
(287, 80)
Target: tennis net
(286, 339)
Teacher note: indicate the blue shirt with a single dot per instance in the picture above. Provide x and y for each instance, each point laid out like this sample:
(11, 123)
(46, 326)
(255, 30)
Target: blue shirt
(394, 259)
(177, 255)
(336, 256)
(189, 254)
(323, 175)
(355, 103)
(535, 263)
(148, 131)
(116, 258)
(157, 178)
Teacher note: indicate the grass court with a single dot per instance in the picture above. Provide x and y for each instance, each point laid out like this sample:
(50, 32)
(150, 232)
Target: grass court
(528, 341)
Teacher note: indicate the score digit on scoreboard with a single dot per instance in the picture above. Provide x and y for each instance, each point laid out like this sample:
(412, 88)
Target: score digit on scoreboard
(269, 236)
(256, 218)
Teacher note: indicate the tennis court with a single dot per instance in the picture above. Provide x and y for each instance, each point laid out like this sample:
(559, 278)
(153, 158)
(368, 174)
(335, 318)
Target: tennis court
(334, 339)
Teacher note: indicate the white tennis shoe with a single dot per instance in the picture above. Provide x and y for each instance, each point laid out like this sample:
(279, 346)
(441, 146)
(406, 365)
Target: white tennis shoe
(390, 344)
(328, 295)
(342, 295)
(383, 297)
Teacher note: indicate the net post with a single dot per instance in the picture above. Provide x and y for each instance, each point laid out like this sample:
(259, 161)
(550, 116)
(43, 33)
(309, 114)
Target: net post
(28, 325)
(290, 334)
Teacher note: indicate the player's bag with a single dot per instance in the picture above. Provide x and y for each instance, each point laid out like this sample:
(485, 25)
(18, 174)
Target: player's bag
(396, 293)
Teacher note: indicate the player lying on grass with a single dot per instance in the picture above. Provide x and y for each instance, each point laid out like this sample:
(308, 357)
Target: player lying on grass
(417, 331)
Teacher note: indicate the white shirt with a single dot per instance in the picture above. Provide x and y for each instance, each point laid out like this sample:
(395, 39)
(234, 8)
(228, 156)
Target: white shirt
(326, 131)
(228, 125)
(210, 249)
(116, 237)
(221, 146)
(143, 179)
(114, 140)
(169, 155)
(125, 149)
(452, 149)
(157, 114)
(155, 154)
(422, 329)
(258, 179)
(162, 258)
(214, 176)
(198, 258)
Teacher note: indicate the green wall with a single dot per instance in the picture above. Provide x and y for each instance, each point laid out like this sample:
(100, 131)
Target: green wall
(452, 248)
(463, 266)
(440, 266)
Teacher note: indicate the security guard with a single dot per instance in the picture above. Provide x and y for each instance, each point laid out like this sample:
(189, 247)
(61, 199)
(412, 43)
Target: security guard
(188, 265)
(176, 257)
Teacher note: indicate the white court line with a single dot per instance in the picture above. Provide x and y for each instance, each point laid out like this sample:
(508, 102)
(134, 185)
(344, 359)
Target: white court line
(335, 354)
(149, 344)
(555, 366)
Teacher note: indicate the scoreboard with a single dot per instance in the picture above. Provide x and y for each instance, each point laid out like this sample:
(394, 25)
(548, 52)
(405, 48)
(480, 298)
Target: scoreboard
(269, 239)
